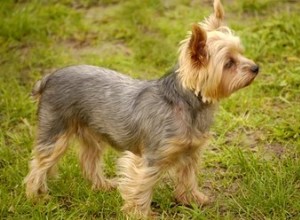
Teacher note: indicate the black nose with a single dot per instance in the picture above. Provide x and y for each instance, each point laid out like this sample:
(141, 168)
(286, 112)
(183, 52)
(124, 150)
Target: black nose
(254, 69)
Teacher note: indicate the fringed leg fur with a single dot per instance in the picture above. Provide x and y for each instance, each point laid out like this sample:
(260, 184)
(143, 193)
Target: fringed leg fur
(136, 182)
(43, 164)
(186, 189)
(90, 159)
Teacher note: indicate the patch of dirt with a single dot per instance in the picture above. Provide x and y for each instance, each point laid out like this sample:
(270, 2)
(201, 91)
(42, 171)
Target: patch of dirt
(246, 139)
(100, 13)
(275, 149)
(81, 40)
(108, 48)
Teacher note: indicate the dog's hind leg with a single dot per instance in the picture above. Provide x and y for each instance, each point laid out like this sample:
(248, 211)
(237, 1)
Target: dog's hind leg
(91, 151)
(51, 144)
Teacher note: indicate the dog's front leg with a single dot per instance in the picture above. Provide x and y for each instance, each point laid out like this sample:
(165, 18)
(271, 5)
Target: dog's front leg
(186, 184)
(136, 182)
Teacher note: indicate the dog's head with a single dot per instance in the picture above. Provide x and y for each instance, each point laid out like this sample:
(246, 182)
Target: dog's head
(211, 61)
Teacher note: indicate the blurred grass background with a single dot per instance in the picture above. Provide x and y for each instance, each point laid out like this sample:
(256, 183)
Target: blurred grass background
(251, 168)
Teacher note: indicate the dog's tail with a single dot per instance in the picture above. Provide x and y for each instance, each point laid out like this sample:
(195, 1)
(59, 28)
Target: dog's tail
(215, 20)
(39, 87)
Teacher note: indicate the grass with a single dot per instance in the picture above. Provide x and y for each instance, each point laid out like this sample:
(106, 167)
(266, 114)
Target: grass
(251, 168)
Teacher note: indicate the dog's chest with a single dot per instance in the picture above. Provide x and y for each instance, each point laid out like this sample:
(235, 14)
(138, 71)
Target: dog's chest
(196, 120)
(202, 120)
(195, 126)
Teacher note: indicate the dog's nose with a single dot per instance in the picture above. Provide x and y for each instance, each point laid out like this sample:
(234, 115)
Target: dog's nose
(255, 69)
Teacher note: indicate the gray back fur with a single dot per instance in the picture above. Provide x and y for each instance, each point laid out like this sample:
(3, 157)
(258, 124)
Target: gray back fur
(127, 112)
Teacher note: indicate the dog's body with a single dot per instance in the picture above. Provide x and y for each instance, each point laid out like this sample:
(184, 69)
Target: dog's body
(160, 125)
(130, 114)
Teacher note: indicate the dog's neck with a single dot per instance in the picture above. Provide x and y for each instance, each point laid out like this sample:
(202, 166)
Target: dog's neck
(174, 92)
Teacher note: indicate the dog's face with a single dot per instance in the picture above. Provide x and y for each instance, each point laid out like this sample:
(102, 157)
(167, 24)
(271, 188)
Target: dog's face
(228, 69)
(211, 61)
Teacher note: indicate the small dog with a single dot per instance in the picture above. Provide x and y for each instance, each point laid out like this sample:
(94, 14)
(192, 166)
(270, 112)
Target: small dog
(159, 125)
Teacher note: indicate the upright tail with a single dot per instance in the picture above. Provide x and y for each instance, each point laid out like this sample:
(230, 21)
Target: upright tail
(39, 87)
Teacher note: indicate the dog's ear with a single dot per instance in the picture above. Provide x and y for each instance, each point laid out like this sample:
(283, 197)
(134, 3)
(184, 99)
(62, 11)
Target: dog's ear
(197, 45)
(216, 19)
(218, 10)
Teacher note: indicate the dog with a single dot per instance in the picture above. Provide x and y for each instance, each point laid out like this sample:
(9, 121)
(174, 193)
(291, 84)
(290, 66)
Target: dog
(158, 125)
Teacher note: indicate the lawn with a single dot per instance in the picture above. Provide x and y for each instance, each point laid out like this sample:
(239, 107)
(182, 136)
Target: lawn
(251, 169)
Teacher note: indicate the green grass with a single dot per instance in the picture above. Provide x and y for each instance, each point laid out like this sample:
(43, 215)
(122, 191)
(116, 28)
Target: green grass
(251, 168)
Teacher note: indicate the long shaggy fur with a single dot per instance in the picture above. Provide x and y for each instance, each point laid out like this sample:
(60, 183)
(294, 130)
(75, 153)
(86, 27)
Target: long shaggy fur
(159, 125)
(133, 169)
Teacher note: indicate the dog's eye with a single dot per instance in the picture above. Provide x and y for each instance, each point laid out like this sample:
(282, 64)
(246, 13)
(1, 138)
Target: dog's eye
(229, 64)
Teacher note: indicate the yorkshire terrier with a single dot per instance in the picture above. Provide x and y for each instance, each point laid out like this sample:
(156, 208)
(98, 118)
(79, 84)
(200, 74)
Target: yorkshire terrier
(159, 125)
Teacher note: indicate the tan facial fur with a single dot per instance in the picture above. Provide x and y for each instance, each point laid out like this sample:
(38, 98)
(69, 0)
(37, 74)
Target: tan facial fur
(211, 61)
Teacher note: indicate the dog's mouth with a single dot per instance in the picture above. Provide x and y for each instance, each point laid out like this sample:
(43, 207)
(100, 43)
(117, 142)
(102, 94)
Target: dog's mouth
(249, 81)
